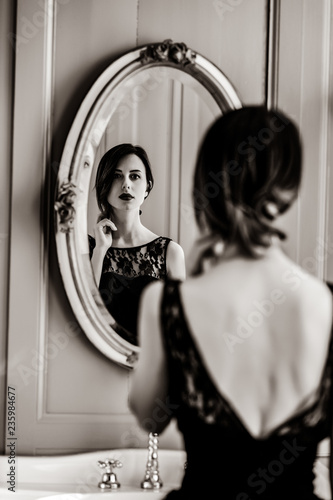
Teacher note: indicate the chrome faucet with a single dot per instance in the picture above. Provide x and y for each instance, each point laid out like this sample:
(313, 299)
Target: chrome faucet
(109, 478)
(152, 478)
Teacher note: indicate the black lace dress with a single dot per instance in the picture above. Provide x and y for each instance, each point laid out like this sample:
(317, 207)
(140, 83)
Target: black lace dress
(224, 461)
(125, 273)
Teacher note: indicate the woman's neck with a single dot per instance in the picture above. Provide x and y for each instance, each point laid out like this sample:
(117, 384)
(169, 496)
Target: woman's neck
(235, 251)
(129, 227)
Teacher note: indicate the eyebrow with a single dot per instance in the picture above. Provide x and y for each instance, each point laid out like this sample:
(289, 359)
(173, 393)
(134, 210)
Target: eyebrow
(135, 170)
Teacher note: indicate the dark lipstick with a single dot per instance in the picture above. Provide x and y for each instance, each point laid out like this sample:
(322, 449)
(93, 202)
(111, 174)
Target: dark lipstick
(126, 196)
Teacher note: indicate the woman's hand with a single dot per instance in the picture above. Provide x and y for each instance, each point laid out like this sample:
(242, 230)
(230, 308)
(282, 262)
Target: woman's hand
(103, 239)
(103, 233)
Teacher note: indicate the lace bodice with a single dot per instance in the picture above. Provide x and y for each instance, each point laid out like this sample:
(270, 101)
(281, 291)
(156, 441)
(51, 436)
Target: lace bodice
(209, 423)
(125, 273)
(144, 260)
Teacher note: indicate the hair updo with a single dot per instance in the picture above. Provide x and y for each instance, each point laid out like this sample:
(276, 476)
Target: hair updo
(105, 173)
(248, 172)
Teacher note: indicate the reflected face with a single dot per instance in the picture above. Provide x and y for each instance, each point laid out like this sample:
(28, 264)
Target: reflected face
(129, 185)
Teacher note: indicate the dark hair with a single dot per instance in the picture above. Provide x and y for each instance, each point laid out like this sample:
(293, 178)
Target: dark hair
(105, 173)
(248, 172)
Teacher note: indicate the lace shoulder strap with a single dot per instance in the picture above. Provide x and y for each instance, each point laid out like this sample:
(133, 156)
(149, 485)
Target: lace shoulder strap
(171, 312)
(189, 381)
(175, 338)
(157, 251)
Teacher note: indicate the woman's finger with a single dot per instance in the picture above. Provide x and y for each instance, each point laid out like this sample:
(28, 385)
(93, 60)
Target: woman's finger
(109, 223)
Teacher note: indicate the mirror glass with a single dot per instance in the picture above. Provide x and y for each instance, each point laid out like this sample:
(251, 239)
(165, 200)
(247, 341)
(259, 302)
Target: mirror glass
(165, 108)
(166, 115)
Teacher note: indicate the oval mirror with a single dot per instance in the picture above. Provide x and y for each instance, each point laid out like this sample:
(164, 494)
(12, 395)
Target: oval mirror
(162, 97)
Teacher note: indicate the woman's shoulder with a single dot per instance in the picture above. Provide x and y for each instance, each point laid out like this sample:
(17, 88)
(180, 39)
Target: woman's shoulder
(173, 247)
(297, 279)
(175, 261)
(309, 298)
(316, 293)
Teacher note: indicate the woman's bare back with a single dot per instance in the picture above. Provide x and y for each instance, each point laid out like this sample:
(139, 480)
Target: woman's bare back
(262, 328)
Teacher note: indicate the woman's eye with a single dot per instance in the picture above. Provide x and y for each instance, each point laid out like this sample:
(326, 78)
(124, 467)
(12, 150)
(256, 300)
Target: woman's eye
(135, 176)
(116, 176)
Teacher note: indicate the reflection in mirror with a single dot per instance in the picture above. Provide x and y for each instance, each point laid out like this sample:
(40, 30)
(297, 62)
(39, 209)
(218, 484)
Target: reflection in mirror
(167, 114)
(161, 97)
(125, 255)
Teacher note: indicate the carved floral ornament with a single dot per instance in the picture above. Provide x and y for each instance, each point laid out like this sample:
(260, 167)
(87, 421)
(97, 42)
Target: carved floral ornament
(64, 205)
(168, 51)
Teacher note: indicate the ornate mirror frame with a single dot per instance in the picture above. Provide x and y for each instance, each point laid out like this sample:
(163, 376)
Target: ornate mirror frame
(75, 170)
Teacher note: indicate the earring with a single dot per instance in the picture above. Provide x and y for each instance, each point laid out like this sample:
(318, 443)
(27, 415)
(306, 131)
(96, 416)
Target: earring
(140, 212)
(272, 209)
(218, 249)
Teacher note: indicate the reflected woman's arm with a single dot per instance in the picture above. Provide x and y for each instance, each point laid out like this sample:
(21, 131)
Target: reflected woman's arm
(103, 239)
(175, 262)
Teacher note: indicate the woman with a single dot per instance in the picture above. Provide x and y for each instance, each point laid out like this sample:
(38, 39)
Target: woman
(125, 255)
(241, 353)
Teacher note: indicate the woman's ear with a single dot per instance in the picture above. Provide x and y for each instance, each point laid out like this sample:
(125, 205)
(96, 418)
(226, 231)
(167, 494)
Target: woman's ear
(149, 186)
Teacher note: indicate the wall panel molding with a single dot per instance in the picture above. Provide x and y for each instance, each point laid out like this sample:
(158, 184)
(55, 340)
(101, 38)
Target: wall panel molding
(86, 418)
(273, 41)
(45, 200)
(327, 145)
(28, 254)
(325, 140)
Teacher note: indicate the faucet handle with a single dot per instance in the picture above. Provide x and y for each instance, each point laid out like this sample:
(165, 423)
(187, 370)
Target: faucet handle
(108, 464)
(109, 478)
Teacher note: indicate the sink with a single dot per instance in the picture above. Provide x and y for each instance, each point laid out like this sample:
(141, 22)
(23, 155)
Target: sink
(126, 493)
(76, 477)
(123, 495)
